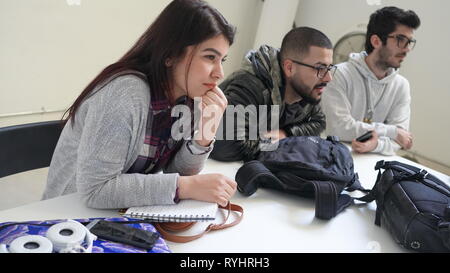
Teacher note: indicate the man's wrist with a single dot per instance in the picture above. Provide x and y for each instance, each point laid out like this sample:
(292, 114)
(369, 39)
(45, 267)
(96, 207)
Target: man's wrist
(378, 147)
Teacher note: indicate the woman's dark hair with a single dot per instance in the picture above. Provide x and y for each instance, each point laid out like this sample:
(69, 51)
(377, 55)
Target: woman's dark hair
(181, 24)
(384, 21)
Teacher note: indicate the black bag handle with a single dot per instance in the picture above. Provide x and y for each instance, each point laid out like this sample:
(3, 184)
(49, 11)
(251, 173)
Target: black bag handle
(415, 174)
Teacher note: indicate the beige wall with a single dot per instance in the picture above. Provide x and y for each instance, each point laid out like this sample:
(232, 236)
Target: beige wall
(277, 18)
(426, 67)
(50, 50)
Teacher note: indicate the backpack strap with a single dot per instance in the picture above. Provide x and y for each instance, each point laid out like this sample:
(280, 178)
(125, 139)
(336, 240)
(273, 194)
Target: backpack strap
(356, 185)
(328, 202)
(377, 192)
(251, 174)
(166, 228)
(444, 227)
(325, 198)
(372, 195)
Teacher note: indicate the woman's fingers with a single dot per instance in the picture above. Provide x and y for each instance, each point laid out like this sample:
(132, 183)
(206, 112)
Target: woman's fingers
(219, 93)
(227, 188)
(213, 98)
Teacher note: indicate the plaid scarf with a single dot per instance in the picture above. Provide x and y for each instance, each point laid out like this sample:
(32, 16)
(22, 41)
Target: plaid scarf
(159, 146)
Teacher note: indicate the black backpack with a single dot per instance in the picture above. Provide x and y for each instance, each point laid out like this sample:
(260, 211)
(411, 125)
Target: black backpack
(307, 166)
(413, 205)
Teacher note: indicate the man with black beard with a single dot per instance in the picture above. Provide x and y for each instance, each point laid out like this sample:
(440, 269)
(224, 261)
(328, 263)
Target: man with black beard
(368, 93)
(288, 83)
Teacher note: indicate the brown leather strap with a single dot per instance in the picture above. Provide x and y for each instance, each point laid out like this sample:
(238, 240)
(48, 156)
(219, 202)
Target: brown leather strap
(165, 229)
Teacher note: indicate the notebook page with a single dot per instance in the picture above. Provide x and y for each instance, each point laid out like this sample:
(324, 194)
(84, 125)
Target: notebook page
(188, 210)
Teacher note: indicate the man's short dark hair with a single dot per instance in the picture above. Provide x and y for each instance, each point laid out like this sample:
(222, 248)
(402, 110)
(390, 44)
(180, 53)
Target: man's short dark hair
(298, 41)
(385, 20)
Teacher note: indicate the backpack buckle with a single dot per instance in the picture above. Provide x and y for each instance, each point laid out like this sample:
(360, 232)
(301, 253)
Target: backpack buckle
(333, 138)
(422, 174)
(447, 213)
(444, 225)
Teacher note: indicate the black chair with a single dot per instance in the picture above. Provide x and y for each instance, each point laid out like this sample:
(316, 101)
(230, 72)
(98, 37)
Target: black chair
(28, 146)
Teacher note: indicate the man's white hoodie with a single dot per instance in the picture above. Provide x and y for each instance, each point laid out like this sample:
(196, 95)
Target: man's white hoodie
(345, 103)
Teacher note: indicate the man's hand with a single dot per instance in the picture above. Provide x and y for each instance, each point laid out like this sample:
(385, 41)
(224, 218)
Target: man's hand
(404, 138)
(276, 135)
(365, 147)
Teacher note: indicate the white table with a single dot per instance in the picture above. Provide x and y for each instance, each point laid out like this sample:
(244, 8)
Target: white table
(273, 221)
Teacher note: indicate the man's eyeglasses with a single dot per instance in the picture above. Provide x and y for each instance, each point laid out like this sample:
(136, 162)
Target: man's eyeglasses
(322, 70)
(403, 41)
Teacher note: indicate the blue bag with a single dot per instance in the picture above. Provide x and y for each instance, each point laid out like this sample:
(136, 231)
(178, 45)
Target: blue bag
(12, 230)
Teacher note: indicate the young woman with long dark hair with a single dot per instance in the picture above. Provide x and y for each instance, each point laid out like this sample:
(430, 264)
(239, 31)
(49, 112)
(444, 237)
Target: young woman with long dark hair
(117, 134)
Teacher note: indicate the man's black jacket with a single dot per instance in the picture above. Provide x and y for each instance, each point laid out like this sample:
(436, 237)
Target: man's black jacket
(260, 82)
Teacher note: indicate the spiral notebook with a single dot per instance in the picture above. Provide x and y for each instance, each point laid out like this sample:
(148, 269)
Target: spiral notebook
(185, 211)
